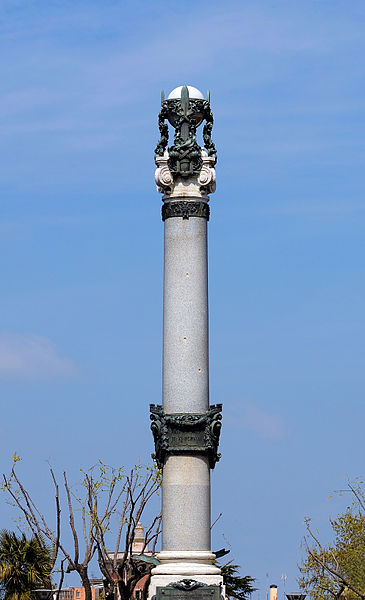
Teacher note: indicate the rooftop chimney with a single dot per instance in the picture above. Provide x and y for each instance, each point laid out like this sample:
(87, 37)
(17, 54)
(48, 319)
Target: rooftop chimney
(273, 592)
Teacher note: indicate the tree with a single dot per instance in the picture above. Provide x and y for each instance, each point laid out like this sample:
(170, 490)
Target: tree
(121, 568)
(25, 564)
(337, 570)
(236, 586)
(106, 500)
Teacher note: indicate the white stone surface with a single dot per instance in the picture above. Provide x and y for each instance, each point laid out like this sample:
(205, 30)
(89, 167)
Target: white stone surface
(193, 93)
(185, 563)
(185, 188)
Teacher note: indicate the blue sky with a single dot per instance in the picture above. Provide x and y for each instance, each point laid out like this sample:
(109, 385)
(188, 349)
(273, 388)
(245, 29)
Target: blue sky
(81, 248)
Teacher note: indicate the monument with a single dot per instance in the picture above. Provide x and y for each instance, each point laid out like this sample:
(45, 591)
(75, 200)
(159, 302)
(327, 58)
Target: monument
(185, 427)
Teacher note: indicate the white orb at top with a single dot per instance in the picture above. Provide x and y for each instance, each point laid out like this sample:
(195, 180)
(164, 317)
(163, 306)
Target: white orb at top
(193, 93)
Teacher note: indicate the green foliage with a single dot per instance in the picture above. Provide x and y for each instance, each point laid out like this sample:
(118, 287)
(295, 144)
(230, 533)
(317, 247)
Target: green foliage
(25, 565)
(236, 586)
(338, 570)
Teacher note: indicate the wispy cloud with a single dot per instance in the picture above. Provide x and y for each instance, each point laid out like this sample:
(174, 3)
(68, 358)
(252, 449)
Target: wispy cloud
(32, 357)
(250, 417)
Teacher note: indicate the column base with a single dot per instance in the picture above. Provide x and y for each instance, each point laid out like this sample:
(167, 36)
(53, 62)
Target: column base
(186, 563)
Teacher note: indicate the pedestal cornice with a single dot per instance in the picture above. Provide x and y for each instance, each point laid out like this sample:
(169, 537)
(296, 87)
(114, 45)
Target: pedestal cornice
(183, 562)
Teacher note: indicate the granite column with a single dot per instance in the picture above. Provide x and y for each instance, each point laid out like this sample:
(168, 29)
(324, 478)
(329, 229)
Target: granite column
(186, 429)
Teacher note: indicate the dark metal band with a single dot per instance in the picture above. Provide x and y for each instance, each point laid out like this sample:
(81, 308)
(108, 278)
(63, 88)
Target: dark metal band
(185, 209)
(182, 433)
(187, 589)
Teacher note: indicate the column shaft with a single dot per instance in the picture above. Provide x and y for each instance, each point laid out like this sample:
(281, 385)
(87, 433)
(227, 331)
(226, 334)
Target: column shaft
(185, 386)
(186, 503)
(186, 478)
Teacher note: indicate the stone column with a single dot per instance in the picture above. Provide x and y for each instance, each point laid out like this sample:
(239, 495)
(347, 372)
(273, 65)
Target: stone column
(186, 429)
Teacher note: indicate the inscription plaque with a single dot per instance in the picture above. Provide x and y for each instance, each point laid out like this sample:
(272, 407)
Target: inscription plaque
(186, 439)
(205, 592)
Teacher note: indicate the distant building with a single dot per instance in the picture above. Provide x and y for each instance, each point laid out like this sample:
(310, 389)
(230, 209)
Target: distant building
(138, 545)
(65, 594)
(78, 593)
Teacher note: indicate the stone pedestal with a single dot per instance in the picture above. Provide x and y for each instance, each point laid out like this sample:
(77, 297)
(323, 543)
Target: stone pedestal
(160, 581)
(185, 428)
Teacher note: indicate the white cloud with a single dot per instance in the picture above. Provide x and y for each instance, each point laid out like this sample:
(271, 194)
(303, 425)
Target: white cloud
(252, 418)
(32, 357)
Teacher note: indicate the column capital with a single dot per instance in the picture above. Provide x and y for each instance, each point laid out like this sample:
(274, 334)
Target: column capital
(194, 186)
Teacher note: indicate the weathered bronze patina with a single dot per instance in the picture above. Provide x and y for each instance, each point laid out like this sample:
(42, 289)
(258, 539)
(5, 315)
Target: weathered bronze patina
(185, 209)
(188, 589)
(185, 115)
(181, 433)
